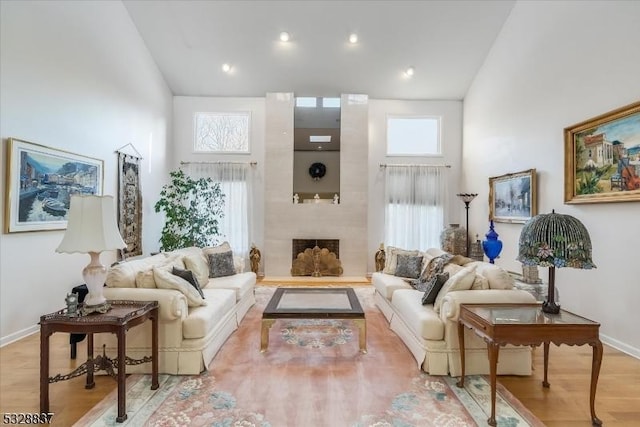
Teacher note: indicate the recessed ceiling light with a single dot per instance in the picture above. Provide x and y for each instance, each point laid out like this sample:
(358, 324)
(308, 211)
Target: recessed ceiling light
(353, 38)
(226, 68)
(284, 36)
(410, 71)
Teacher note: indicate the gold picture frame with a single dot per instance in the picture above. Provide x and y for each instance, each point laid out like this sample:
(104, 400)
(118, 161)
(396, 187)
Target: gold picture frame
(39, 183)
(513, 197)
(602, 158)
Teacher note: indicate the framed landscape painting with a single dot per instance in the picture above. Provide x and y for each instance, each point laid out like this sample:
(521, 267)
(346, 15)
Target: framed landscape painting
(40, 182)
(512, 197)
(602, 158)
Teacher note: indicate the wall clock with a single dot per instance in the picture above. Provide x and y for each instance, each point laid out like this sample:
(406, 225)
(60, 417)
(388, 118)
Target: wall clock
(317, 171)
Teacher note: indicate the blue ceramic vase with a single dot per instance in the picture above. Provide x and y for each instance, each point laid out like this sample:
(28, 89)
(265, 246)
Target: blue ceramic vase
(492, 246)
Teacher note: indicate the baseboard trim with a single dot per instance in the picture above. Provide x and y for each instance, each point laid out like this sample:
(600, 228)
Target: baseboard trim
(625, 348)
(16, 336)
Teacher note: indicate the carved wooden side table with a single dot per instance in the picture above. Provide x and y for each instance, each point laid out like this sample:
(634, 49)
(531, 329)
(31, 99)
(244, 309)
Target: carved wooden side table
(122, 316)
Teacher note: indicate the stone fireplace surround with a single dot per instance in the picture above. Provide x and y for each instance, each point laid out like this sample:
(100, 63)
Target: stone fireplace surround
(284, 220)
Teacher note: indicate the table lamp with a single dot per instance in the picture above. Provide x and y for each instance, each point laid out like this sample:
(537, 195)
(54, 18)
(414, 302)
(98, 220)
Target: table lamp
(555, 240)
(91, 228)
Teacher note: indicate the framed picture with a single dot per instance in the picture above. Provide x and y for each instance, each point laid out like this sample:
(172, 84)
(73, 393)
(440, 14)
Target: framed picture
(40, 182)
(512, 197)
(602, 158)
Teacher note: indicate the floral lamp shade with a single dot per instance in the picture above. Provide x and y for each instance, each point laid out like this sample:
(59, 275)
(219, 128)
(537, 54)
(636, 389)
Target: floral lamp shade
(555, 240)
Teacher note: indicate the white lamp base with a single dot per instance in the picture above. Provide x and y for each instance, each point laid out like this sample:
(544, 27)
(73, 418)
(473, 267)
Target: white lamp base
(94, 276)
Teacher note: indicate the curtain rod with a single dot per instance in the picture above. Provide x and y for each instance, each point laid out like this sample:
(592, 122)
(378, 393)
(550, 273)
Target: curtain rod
(218, 163)
(384, 165)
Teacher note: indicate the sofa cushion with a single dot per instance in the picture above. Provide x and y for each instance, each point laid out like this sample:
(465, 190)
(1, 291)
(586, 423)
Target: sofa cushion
(422, 320)
(189, 277)
(202, 320)
(240, 283)
(432, 288)
(391, 261)
(387, 284)
(197, 263)
(461, 281)
(409, 266)
(498, 277)
(222, 247)
(123, 275)
(167, 280)
(146, 279)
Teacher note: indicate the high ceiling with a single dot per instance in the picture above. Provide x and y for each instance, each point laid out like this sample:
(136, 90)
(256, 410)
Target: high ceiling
(445, 41)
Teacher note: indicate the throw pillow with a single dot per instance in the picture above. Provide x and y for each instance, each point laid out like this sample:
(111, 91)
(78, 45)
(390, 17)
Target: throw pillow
(392, 258)
(433, 288)
(166, 280)
(461, 281)
(222, 247)
(498, 277)
(221, 264)
(409, 266)
(197, 263)
(189, 277)
(146, 279)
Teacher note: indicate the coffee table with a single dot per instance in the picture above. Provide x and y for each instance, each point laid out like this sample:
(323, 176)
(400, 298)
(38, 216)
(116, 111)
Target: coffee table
(313, 303)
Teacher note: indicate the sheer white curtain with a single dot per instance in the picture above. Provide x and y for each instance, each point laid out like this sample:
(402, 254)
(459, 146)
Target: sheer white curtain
(235, 181)
(415, 200)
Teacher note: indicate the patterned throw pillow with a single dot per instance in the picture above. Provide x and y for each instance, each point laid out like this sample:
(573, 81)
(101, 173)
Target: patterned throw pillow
(221, 264)
(409, 266)
(189, 277)
(433, 287)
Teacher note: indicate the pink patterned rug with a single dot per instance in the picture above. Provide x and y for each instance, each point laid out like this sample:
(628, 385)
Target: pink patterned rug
(312, 375)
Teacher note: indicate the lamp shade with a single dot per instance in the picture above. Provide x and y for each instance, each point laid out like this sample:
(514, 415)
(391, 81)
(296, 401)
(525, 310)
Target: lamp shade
(91, 226)
(555, 240)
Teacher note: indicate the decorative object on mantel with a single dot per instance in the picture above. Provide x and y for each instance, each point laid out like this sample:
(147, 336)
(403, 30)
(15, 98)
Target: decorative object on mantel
(92, 229)
(492, 246)
(317, 171)
(380, 258)
(316, 198)
(336, 199)
(467, 198)
(130, 201)
(555, 240)
(316, 262)
(254, 258)
(453, 239)
(475, 252)
(296, 199)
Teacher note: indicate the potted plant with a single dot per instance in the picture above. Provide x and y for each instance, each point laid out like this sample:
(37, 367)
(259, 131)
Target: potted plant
(192, 209)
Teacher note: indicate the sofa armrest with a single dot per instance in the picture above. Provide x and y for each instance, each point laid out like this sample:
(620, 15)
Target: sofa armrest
(450, 309)
(172, 303)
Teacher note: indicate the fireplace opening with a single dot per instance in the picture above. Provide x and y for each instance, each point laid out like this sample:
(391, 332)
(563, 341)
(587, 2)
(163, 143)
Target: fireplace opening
(316, 257)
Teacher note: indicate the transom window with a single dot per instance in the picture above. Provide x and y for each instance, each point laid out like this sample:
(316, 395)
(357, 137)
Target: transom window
(222, 132)
(413, 136)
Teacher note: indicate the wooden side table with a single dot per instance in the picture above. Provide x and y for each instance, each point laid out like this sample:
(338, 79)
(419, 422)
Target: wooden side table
(122, 316)
(527, 324)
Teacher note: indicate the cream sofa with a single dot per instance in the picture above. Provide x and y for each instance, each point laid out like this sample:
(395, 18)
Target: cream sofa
(189, 335)
(431, 333)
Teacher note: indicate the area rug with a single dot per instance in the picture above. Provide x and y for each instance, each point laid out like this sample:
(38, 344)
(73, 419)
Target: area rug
(312, 375)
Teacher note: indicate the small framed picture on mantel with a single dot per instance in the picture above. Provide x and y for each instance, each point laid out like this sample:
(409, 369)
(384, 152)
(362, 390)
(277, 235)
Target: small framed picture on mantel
(512, 197)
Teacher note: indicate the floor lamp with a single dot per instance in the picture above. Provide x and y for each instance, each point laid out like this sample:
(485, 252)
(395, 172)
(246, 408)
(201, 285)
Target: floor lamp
(467, 198)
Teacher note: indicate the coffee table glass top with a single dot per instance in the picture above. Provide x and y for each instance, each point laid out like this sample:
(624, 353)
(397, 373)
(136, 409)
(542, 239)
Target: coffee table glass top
(314, 300)
(525, 315)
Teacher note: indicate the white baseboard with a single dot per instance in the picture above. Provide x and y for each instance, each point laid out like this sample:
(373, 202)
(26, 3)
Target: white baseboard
(19, 335)
(625, 348)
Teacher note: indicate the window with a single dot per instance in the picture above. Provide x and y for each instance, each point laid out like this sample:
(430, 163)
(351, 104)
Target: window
(222, 132)
(413, 136)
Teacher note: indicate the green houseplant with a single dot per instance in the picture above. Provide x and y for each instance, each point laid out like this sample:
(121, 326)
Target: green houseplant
(192, 209)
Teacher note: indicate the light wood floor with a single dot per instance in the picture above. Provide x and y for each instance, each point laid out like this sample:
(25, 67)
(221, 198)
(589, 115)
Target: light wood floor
(565, 404)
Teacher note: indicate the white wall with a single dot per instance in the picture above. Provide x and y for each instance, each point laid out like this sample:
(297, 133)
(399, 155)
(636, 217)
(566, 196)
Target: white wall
(553, 65)
(451, 139)
(184, 109)
(74, 76)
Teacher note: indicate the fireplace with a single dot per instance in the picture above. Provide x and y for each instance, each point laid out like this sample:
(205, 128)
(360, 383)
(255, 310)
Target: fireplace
(315, 257)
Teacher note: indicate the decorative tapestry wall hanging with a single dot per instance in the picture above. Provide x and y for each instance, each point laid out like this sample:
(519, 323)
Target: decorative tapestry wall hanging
(130, 203)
